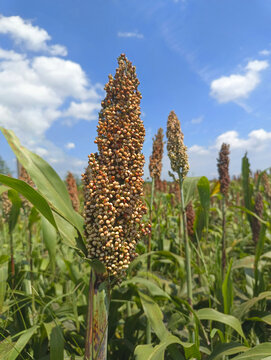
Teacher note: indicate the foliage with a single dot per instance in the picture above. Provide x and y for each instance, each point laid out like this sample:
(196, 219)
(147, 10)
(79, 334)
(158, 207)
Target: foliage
(43, 306)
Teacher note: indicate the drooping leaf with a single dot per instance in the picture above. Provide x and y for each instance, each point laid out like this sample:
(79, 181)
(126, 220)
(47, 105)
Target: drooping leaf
(259, 352)
(226, 349)
(13, 349)
(49, 236)
(46, 179)
(214, 315)
(56, 344)
(30, 194)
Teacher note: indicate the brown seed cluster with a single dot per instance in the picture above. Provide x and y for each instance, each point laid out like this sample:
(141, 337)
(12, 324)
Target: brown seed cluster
(266, 185)
(73, 191)
(223, 168)
(6, 205)
(190, 216)
(113, 180)
(256, 224)
(177, 151)
(155, 165)
(24, 176)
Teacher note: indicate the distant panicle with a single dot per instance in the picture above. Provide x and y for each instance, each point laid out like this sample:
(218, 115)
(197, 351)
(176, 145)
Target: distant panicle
(223, 162)
(73, 191)
(177, 151)
(155, 164)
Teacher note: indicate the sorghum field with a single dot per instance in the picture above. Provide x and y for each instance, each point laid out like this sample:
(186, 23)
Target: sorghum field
(111, 267)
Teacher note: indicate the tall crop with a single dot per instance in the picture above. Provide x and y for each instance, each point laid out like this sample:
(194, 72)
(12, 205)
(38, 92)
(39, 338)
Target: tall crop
(113, 187)
(177, 153)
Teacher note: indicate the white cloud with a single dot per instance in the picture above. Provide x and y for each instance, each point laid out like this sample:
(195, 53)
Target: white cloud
(237, 86)
(35, 92)
(197, 120)
(31, 37)
(83, 110)
(133, 34)
(265, 52)
(70, 145)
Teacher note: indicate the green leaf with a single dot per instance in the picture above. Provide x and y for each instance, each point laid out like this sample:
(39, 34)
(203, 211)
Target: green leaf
(147, 352)
(30, 194)
(33, 218)
(189, 189)
(56, 344)
(227, 290)
(150, 285)
(49, 236)
(204, 192)
(214, 315)
(222, 350)
(11, 353)
(155, 316)
(242, 310)
(257, 353)
(96, 265)
(46, 179)
(3, 278)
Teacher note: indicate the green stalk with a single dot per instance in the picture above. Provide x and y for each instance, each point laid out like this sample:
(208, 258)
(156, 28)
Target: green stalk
(186, 245)
(12, 262)
(148, 328)
(97, 318)
(150, 217)
(223, 247)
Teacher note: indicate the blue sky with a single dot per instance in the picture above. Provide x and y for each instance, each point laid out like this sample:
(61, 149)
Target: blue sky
(207, 60)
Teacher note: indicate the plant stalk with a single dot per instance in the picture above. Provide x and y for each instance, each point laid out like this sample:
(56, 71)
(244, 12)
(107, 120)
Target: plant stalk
(223, 246)
(97, 318)
(186, 245)
(150, 217)
(12, 262)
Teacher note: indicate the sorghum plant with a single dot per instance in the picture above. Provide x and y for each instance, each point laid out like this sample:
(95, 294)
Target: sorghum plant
(224, 180)
(24, 176)
(177, 153)
(266, 184)
(256, 224)
(113, 189)
(190, 215)
(73, 191)
(155, 167)
(155, 164)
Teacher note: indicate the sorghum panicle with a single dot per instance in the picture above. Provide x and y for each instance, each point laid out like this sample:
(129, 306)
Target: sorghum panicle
(24, 176)
(177, 151)
(73, 191)
(6, 205)
(113, 180)
(190, 216)
(266, 184)
(223, 168)
(256, 224)
(155, 165)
